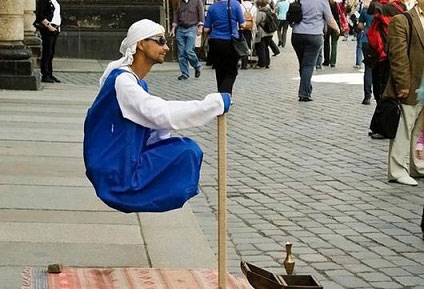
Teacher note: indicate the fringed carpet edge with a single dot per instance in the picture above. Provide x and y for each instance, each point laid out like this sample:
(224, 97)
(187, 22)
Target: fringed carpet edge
(127, 278)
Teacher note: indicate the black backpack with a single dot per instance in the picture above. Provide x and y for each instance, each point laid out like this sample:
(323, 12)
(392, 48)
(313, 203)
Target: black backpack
(271, 22)
(294, 14)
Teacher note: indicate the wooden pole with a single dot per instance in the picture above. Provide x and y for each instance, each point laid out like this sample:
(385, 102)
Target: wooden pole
(222, 202)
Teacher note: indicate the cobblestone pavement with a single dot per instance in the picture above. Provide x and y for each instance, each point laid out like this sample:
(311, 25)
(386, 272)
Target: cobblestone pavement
(305, 173)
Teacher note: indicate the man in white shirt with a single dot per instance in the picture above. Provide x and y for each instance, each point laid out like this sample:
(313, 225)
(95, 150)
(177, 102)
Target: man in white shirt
(48, 22)
(131, 159)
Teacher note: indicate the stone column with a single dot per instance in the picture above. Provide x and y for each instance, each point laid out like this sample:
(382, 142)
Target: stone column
(30, 38)
(16, 70)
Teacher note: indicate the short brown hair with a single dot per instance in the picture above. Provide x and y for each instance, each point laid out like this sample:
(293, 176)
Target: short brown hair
(262, 3)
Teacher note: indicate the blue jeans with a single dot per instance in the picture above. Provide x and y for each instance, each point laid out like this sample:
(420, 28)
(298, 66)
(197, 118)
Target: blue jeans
(186, 39)
(319, 58)
(359, 48)
(307, 48)
(367, 74)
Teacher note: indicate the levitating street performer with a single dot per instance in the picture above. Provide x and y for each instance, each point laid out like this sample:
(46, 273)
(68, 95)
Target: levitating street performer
(131, 159)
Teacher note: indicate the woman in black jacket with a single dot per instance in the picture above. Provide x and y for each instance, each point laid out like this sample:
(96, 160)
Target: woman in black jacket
(48, 22)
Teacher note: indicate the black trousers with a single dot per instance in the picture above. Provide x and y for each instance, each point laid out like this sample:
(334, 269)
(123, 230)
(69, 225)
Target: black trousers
(273, 47)
(422, 222)
(48, 50)
(225, 62)
(380, 76)
(330, 47)
(262, 51)
(283, 26)
(248, 36)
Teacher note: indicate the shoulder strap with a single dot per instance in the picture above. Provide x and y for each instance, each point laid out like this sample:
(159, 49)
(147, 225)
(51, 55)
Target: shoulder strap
(229, 18)
(410, 24)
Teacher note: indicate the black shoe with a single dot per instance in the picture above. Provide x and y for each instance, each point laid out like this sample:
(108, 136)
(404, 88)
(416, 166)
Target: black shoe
(182, 77)
(305, 99)
(267, 66)
(332, 65)
(366, 100)
(375, 135)
(197, 73)
(275, 54)
(318, 67)
(55, 79)
(325, 64)
(243, 67)
(47, 79)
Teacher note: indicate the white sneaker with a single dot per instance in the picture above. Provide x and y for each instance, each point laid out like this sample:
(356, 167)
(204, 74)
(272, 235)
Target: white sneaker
(406, 180)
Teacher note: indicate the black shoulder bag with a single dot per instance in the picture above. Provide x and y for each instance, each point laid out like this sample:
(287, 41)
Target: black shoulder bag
(239, 44)
(385, 120)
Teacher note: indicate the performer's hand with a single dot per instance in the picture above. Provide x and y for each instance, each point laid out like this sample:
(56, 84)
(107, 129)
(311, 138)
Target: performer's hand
(419, 154)
(403, 93)
(226, 98)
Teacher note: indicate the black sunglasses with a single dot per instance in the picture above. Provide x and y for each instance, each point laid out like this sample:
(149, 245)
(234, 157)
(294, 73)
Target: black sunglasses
(159, 40)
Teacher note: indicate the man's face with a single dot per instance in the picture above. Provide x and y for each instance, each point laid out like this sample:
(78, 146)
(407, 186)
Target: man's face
(155, 48)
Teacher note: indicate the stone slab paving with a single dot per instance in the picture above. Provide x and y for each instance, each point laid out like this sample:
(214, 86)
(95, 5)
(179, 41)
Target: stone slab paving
(305, 173)
(49, 212)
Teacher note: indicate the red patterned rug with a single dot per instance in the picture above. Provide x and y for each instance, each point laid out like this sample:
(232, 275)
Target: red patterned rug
(127, 278)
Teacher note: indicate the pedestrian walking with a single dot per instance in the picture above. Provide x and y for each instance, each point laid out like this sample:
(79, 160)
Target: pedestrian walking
(318, 65)
(307, 41)
(130, 157)
(283, 25)
(263, 37)
(187, 25)
(223, 56)
(364, 23)
(274, 47)
(406, 71)
(358, 33)
(332, 36)
(377, 35)
(48, 21)
(249, 13)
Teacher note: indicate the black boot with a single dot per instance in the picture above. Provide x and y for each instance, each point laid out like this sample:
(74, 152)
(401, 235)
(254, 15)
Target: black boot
(47, 79)
(366, 100)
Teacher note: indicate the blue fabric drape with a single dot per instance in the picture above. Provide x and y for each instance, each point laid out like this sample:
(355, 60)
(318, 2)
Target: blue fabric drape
(129, 175)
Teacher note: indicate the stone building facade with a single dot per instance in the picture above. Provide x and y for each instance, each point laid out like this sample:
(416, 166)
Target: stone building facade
(17, 37)
(95, 28)
(90, 29)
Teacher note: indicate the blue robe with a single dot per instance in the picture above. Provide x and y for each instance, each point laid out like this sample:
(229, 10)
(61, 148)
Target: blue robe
(129, 175)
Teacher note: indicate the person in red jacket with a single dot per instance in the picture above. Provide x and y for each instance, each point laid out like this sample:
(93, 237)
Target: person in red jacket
(383, 11)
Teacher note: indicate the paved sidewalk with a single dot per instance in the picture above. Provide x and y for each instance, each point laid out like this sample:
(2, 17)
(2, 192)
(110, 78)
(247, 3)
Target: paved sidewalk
(300, 172)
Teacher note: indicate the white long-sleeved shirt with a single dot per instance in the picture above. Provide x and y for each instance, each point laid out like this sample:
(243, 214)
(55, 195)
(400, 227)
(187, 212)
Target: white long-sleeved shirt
(154, 112)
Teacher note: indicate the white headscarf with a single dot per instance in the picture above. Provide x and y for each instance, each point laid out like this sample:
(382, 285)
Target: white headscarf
(139, 30)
